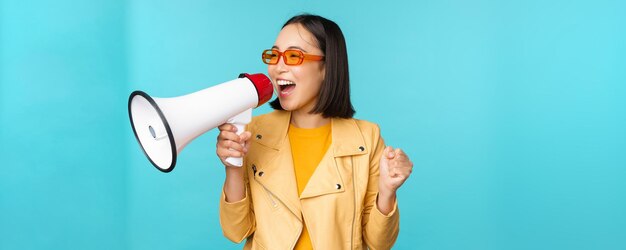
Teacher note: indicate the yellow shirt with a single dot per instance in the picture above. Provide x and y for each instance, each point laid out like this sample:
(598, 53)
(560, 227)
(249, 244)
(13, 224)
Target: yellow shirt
(308, 146)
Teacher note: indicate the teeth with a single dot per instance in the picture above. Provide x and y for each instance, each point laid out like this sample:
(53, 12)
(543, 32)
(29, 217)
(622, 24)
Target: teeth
(284, 82)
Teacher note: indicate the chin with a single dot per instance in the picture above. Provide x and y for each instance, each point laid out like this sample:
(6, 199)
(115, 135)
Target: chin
(288, 108)
(285, 106)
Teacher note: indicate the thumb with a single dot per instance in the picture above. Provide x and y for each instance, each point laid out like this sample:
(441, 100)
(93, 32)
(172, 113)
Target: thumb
(385, 157)
(245, 136)
(389, 152)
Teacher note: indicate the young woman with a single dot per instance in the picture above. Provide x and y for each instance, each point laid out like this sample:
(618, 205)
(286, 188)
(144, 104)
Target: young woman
(313, 177)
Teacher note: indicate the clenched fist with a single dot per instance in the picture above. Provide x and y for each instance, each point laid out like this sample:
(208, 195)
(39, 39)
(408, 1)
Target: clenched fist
(395, 168)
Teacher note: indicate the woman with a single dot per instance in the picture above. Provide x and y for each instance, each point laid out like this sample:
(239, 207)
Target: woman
(313, 177)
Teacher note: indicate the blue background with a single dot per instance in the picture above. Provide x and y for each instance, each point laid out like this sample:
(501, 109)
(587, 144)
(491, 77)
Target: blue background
(512, 111)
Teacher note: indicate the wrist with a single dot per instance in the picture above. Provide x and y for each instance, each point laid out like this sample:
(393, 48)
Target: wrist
(386, 195)
(386, 192)
(386, 201)
(230, 170)
(234, 175)
(234, 187)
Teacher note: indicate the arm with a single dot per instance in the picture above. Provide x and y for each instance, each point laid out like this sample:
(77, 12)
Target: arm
(380, 231)
(236, 210)
(388, 170)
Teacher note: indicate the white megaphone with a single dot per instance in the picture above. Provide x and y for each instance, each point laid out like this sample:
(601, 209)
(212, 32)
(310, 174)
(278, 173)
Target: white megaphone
(164, 126)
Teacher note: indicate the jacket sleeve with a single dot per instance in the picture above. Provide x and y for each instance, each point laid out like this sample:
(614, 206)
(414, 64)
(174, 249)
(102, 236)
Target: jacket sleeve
(237, 218)
(379, 231)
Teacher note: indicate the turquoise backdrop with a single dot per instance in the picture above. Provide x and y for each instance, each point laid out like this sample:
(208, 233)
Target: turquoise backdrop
(514, 113)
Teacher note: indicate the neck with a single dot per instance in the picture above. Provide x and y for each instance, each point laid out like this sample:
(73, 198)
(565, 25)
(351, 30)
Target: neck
(303, 119)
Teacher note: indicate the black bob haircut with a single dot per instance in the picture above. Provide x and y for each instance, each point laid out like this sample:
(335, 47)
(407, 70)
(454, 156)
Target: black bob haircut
(333, 100)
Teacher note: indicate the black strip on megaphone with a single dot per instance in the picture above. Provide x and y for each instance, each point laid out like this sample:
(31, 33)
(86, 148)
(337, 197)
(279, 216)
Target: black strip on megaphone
(167, 129)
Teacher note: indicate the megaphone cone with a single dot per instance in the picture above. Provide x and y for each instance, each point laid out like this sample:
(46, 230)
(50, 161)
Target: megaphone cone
(164, 126)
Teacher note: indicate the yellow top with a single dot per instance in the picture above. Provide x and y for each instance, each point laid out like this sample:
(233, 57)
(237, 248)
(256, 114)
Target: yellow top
(308, 146)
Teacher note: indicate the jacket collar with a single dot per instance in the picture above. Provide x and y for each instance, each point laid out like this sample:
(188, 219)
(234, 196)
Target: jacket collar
(346, 134)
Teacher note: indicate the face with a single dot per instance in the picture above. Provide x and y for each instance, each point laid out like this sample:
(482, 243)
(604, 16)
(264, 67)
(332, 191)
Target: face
(297, 85)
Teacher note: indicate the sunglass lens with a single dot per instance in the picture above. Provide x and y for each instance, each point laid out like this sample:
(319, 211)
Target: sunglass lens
(270, 57)
(293, 57)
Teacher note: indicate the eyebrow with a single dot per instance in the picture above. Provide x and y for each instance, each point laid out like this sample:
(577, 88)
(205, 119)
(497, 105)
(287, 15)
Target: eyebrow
(290, 47)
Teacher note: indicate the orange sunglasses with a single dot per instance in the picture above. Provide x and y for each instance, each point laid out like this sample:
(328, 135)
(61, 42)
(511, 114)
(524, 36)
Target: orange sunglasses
(290, 57)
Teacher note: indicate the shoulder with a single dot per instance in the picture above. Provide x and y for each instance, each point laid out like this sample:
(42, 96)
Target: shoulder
(367, 128)
(371, 136)
(355, 131)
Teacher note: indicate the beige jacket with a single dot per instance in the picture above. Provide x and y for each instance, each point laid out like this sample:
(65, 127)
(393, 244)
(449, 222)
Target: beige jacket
(338, 203)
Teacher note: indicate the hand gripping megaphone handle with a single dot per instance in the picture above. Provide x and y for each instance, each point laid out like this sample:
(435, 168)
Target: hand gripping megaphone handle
(240, 121)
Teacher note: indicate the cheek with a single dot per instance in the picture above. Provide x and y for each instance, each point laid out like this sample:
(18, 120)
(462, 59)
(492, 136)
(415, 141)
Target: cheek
(316, 73)
(311, 72)
(316, 77)
(322, 70)
(271, 70)
(320, 77)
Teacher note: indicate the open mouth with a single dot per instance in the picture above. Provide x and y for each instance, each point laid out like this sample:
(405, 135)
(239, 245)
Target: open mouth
(285, 87)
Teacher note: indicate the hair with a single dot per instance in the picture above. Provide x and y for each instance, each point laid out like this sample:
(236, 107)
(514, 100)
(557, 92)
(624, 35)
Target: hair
(333, 100)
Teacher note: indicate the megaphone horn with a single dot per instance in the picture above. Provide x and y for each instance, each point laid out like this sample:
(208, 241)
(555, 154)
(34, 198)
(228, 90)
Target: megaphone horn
(164, 126)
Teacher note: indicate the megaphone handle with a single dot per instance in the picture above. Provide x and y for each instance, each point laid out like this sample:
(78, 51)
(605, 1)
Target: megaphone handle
(237, 161)
(240, 121)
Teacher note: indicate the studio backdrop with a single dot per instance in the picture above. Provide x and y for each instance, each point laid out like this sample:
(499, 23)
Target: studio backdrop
(513, 112)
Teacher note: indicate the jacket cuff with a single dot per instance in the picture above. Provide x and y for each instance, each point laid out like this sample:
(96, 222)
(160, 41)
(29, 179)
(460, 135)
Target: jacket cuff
(235, 218)
(383, 229)
(236, 203)
(393, 211)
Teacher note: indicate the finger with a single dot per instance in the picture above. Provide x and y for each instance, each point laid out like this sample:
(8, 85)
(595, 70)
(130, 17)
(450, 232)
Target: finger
(390, 153)
(232, 145)
(402, 177)
(400, 164)
(398, 174)
(404, 166)
(227, 135)
(395, 165)
(399, 152)
(395, 173)
(234, 150)
(404, 171)
(224, 153)
(245, 137)
(227, 127)
(401, 157)
(246, 147)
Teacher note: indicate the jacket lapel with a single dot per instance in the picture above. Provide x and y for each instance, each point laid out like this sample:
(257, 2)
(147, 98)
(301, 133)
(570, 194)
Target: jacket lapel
(347, 140)
(274, 169)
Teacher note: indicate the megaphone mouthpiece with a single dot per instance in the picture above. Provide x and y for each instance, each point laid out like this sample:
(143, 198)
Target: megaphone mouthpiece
(263, 86)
